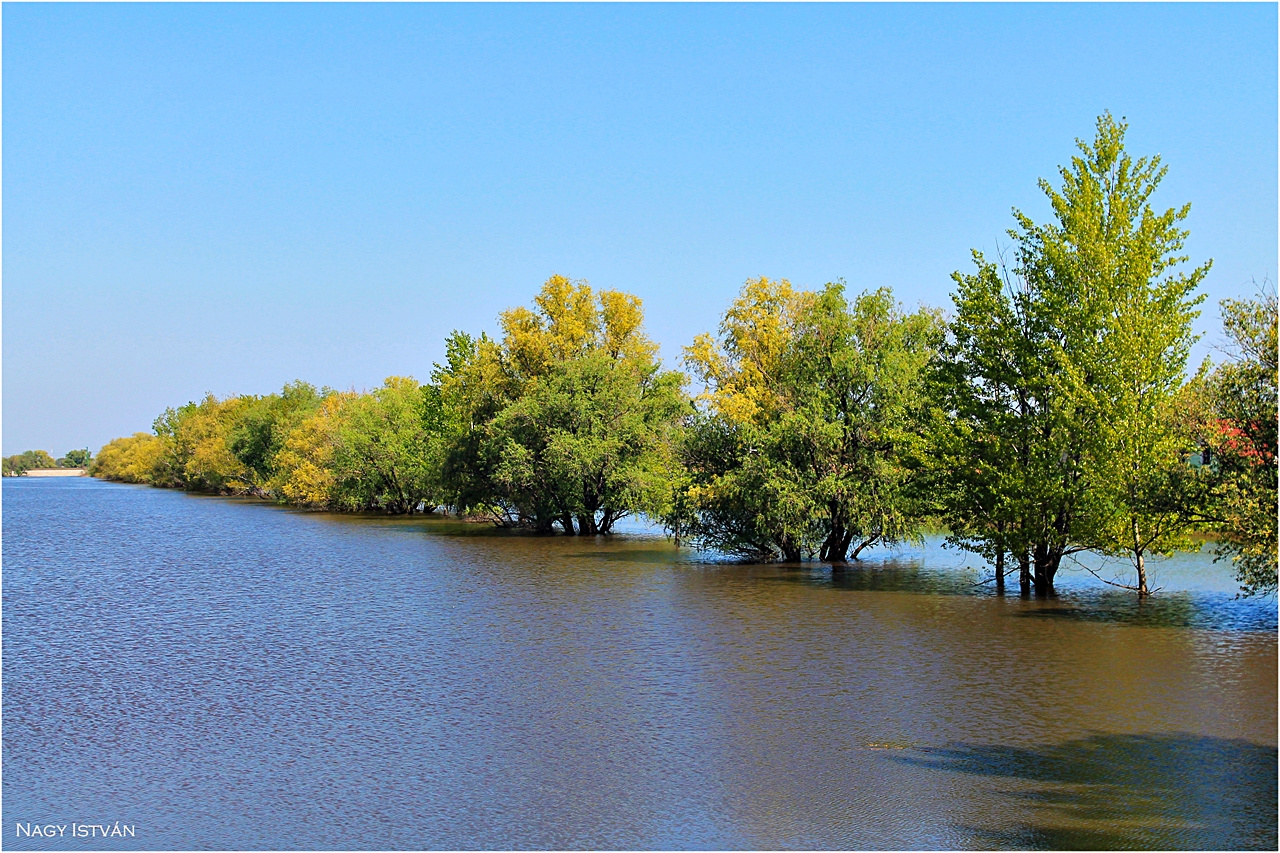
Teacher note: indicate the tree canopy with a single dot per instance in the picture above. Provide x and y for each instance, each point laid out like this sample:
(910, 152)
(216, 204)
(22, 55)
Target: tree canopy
(807, 436)
(566, 419)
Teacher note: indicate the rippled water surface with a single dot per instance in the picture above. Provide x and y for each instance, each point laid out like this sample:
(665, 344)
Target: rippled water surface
(225, 674)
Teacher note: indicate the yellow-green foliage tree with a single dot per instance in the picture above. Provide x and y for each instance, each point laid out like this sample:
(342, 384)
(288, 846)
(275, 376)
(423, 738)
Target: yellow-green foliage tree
(379, 457)
(360, 452)
(132, 459)
(1062, 378)
(197, 451)
(808, 435)
(567, 419)
(303, 467)
(1123, 368)
(226, 446)
(262, 426)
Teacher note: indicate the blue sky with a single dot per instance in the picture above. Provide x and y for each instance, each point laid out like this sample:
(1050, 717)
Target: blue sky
(226, 198)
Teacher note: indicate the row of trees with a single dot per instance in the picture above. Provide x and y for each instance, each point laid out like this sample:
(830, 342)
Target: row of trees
(323, 449)
(567, 420)
(1050, 414)
(21, 463)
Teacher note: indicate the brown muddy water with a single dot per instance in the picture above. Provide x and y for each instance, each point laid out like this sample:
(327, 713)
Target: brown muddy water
(220, 674)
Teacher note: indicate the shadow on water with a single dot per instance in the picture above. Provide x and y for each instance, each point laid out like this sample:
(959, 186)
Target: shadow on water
(884, 575)
(634, 551)
(1173, 609)
(1164, 610)
(1124, 791)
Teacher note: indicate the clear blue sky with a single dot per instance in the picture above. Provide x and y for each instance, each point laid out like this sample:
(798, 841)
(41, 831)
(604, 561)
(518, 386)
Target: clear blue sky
(226, 198)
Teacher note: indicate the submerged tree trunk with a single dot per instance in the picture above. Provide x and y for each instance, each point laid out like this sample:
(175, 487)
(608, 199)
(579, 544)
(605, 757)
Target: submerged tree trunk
(1000, 528)
(1024, 574)
(607, 518)
(827, 553)
(836, 547)
(566, 521)
(590, 503)
(1140, 562)
(1046, 566)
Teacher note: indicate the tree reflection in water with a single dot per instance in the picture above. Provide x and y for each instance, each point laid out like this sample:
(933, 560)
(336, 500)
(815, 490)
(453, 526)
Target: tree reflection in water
(1163, 791)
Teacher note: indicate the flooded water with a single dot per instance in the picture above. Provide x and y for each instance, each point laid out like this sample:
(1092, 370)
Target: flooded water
(214, 673)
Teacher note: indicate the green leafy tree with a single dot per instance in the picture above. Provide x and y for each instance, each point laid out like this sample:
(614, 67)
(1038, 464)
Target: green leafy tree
(567, 419)
(584, 444)
(76, 459)
(380, 455)
(1243, 441)
(21, 463)
(261, 429)
(981, 434)
(460, 397)
(1067, 367)
(808, 437)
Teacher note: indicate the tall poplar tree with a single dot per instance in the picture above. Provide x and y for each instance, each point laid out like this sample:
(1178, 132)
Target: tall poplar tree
(1066, 367)
(1129, 373)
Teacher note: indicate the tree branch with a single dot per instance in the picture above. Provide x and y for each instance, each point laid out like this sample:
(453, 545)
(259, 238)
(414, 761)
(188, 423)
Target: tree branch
(1121, 585)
